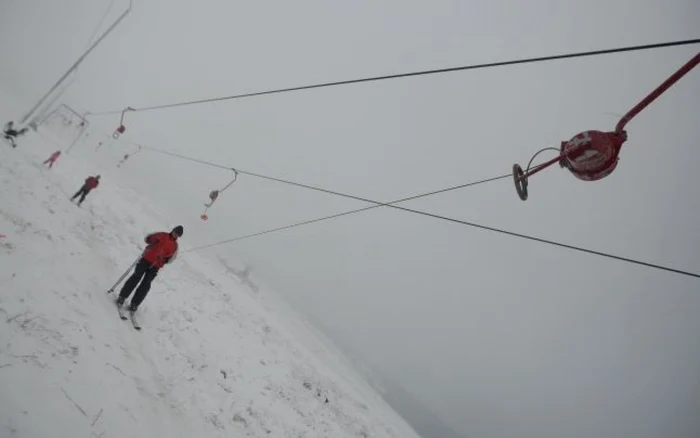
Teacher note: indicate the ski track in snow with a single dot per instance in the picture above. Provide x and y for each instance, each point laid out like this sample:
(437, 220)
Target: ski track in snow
(214, 358)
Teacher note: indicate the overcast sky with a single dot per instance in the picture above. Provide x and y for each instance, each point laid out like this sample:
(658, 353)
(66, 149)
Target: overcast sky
(503, 337)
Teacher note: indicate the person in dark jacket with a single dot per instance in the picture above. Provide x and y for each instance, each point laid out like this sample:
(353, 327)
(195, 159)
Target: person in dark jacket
(161, 250)
(10, 133)
(90, 184)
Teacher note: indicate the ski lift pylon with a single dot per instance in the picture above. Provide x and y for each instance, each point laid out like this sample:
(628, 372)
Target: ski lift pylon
(593, 155)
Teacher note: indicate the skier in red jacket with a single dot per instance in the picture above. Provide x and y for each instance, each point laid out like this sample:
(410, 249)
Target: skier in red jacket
(162, 249)
(91, 183)
(52, 159)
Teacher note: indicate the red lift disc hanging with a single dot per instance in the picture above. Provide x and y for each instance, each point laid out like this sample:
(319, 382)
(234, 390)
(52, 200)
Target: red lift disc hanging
(121, 128)
(593, 155)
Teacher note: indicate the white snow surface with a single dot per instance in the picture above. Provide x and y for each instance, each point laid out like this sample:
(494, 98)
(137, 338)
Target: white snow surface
(216, 357)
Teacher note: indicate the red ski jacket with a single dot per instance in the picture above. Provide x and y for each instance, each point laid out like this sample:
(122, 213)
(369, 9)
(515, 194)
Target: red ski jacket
(161, 249)
(91, 182)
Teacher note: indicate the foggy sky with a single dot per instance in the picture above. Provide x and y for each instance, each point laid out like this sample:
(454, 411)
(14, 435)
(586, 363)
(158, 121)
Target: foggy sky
(502, 337)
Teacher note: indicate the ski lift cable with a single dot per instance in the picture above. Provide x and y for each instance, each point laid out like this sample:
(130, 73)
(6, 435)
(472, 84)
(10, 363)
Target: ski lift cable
(235, 177)
(99, 24)
(415, 73)
(238, 171)
(349, 212)
(461, 222)
(414, 211)
(419, 212)
(321, 189)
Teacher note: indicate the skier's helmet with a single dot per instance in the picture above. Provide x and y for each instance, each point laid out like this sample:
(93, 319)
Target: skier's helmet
(178, 230)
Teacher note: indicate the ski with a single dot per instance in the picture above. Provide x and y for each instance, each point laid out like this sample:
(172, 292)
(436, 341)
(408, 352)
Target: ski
(120, 311)
(134, 322)
(131, 317)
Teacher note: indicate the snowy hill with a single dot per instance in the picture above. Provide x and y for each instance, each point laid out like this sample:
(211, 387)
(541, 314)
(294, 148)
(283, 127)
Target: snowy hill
(215, 357)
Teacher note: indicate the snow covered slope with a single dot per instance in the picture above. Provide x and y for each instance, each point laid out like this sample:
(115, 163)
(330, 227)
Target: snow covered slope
(215, 358)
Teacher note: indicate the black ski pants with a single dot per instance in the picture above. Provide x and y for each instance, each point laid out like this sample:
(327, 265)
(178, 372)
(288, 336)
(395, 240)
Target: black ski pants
(83, 192)
(144, 272)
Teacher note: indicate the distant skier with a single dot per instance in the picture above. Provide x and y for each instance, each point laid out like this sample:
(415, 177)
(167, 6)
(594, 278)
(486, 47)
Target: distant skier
(10, 133)
(52, 159)
(161, 250)
(90, 184)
